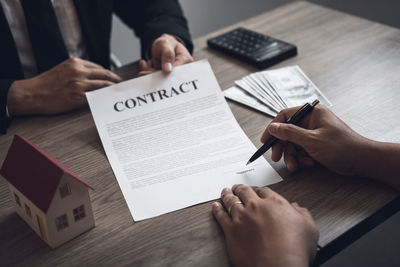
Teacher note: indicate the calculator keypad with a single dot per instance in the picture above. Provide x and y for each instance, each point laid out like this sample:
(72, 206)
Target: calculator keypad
(254, 47)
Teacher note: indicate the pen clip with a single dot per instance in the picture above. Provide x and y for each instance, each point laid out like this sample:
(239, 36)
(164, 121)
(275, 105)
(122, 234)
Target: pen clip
(300, 110)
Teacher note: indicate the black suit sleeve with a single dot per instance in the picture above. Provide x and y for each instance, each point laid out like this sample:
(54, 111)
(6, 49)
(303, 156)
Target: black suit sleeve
(151, 18)
(4, 120)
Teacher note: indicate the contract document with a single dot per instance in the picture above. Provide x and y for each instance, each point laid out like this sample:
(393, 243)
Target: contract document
(172, 140)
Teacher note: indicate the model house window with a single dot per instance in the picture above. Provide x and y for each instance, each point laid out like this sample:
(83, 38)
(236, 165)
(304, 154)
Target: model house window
(61, 222)
(17, 199)
(79, 213)
(65, 190)
(28, 211)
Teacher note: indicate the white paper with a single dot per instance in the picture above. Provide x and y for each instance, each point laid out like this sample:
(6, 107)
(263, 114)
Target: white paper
(180, 148)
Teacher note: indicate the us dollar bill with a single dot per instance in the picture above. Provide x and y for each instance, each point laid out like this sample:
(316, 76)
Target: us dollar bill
(294, 87)
(239, 95)
(273, 90)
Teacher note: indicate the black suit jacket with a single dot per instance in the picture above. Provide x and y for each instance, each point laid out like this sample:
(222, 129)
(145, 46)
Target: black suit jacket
(148, 18)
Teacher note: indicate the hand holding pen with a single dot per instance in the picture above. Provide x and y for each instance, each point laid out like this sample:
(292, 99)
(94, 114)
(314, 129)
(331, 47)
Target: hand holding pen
(294, 119)
(319, 137)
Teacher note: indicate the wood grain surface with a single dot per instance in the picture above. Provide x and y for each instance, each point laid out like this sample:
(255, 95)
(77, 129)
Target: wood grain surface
(355, 62)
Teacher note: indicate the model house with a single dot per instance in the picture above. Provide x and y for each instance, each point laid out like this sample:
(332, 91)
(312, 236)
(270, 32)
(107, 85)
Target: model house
(49, 198)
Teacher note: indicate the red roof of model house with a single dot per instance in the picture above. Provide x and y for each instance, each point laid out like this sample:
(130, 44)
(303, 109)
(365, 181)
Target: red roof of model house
(33, 172)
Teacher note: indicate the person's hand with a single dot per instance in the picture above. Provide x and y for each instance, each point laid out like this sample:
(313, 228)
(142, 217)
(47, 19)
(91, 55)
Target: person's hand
(166, 53)
(59, 89)
(266, 230)
(321, 137)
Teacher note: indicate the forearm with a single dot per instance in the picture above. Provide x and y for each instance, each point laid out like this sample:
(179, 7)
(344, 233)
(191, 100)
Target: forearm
(20, 99)
(286, 260)
(381, 161)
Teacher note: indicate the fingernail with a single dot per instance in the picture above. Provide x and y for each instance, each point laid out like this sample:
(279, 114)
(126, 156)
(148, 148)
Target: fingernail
(224, 191)
(291, 166)
(273, 127)
(215, 205)
(168, 66)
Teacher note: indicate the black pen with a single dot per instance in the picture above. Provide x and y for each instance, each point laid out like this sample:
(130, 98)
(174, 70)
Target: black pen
(296, 118)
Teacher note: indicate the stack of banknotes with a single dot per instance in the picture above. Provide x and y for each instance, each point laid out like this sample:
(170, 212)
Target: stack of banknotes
(273, 90)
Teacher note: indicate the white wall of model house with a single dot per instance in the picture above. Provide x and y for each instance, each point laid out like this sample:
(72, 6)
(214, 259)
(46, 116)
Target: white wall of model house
(45, 224)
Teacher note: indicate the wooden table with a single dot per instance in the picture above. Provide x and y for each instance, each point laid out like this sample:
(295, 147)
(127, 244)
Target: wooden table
(355, 62)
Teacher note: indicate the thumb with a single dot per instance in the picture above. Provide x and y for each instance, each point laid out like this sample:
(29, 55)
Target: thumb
(167, 57)
(290, 132)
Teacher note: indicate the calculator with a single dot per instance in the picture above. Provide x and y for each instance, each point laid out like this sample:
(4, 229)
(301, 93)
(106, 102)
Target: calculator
(255, 48)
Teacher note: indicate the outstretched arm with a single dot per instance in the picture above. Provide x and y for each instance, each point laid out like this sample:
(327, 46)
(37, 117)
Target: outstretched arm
(381, 161)
(324, 138)
(162, 29)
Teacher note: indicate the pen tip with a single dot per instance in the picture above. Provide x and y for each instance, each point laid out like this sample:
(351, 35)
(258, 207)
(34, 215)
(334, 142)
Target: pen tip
(248, 162)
